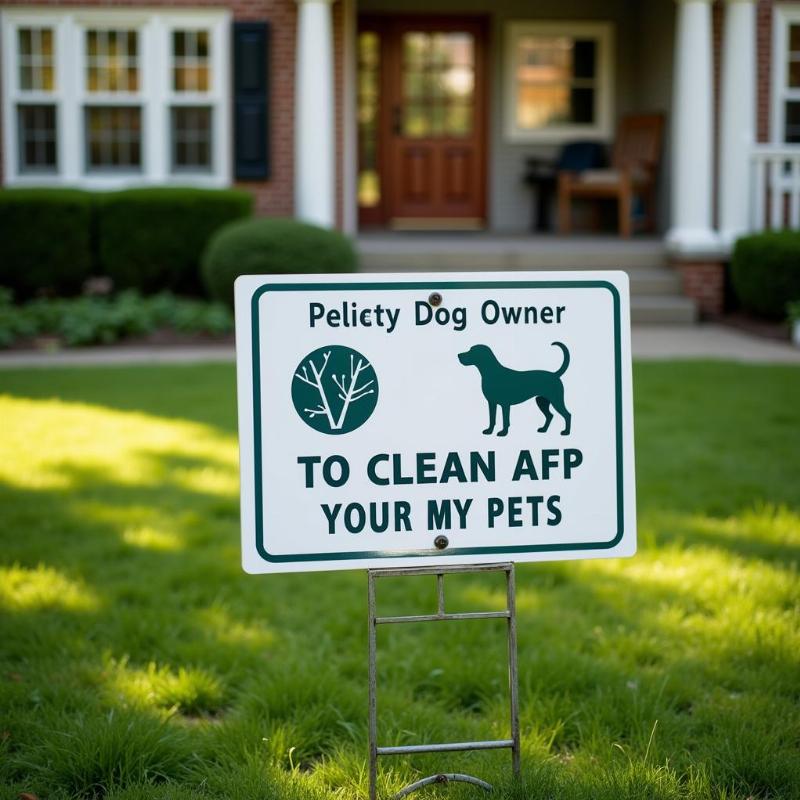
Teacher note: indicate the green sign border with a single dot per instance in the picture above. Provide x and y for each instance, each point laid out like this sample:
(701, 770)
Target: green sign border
(427, 285)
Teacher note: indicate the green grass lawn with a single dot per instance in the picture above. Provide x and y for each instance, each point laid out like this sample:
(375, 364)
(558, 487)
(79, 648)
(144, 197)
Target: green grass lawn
(138, 661)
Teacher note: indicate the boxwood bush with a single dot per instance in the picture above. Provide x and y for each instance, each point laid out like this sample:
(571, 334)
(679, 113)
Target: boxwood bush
(153, 239)
(272, 247)
(45, 240)
(765, 272)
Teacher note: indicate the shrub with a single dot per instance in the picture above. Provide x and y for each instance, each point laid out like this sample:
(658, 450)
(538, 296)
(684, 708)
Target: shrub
(153, 239)
(272, 247)
(102, 320)
(765, 271)
(45, 240)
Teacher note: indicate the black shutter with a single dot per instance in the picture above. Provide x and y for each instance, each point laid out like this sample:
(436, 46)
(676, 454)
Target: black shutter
(251, 138)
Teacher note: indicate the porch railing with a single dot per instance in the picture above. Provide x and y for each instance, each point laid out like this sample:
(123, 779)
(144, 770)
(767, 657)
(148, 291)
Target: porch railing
(775, 197)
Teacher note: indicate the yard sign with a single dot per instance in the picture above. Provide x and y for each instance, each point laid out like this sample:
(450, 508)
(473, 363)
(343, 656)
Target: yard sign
(404, 420)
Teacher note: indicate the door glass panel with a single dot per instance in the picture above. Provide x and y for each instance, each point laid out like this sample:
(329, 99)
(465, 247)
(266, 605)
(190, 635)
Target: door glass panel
(369, 188)
(438, 84)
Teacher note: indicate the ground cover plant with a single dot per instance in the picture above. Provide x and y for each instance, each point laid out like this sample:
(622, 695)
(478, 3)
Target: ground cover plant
(82, 321)
(137, 661)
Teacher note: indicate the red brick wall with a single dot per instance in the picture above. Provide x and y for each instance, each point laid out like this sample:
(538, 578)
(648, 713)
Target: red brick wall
(704, 282)
(764, 67)
(276, 195)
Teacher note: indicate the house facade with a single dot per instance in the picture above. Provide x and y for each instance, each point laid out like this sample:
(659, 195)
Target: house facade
(410, 114)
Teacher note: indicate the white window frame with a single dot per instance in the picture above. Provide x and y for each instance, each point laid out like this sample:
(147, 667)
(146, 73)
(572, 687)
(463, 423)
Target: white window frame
(603, 34)
(784, 15)
(155, 95)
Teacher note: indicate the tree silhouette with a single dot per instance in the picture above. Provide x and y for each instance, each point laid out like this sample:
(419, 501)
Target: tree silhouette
(346, 388)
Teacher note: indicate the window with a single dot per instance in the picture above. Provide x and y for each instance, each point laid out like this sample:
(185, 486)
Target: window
(110, 97)
(558, 81)
(34, 94)
(786, 69)
(112, 132)
(191, 125)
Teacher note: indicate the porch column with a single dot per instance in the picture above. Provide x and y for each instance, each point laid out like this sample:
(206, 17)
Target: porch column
(737, 117)
(314, 131)
(692, 131)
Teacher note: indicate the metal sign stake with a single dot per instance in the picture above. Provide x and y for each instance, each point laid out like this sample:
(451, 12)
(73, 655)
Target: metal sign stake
(509, 614)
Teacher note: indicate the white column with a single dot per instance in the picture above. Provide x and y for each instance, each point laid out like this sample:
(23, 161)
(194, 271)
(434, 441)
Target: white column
(692, 131)
(314, 130)
(737, 117)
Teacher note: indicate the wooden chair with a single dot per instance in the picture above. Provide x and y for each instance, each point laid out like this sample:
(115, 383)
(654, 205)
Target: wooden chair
(634, 165)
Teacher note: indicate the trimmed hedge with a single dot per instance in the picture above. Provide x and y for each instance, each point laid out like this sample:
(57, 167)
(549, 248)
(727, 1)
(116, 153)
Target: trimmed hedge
(45, 240)
(272, 247)
(765, 272)
(153, 239)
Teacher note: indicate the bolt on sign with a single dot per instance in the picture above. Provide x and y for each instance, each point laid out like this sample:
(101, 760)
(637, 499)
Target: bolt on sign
(401, 420)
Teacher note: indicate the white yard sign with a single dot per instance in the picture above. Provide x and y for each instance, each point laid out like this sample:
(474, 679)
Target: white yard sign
(402, 420)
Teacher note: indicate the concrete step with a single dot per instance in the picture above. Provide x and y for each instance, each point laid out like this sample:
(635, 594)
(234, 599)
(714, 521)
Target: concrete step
(654, 281)
(390, 253)
(655, 288)
(663, 310)
(644, 280)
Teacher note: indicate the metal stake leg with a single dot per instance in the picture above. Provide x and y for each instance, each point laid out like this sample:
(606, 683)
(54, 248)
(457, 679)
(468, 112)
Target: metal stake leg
(510, 614)
(373, 690)
(513, 693)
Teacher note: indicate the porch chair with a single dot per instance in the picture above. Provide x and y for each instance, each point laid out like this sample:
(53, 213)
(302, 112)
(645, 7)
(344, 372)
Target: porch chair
(634, 164)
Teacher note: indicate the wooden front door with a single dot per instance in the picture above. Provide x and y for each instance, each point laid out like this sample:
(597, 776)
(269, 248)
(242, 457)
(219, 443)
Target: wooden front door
(431, 120)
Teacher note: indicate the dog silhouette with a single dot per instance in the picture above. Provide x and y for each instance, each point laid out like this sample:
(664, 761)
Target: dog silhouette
(506, 387)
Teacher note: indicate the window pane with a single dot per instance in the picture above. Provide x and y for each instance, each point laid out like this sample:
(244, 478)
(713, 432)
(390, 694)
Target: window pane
(459, 120)
(37, 138)
(544, 59)
(794, 73)
(584, 58)
(541, 105)
(114, 135)
(191, 138)
(112, 61)
(25, 42)
(191, 66)
(36, 59)
(794, 39)
(792, 127)
(582, 106)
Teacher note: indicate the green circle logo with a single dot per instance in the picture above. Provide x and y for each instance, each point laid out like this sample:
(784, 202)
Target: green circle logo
(335, 389)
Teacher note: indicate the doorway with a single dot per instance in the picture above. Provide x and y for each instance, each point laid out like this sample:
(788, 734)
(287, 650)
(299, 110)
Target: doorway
(422, 122)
